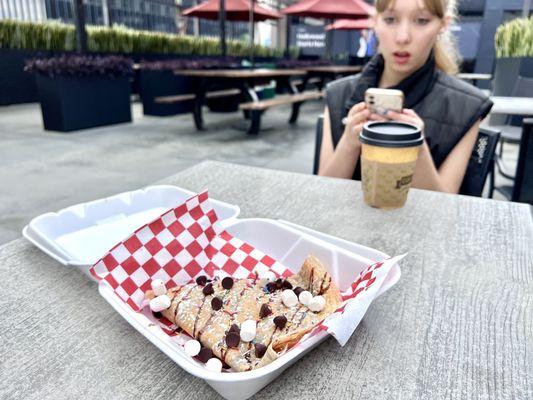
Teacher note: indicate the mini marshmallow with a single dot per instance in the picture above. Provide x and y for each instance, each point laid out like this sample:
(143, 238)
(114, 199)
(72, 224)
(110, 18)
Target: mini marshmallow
(288, 297)
(305, 297)
(192, 347)
(268, 275)
(214, 365)
(160, 303)
(248, 330)
(317, 304)
(158, 287)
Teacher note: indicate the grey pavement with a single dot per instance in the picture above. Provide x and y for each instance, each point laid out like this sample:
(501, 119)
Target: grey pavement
(43, 171)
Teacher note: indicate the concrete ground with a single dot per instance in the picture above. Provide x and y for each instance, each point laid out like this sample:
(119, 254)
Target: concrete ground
(44, 171)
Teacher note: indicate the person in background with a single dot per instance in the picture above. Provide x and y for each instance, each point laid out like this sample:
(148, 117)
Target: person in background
(371, 43)
(361, 52)
(415, 55)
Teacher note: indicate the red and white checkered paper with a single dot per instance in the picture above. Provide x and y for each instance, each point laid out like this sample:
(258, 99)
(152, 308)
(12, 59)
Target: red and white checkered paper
(188, 241)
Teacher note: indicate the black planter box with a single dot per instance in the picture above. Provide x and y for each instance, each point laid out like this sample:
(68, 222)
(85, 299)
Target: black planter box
(17, 86)
(72, 103)
(164, 83)
(506, 73)
(508, 70)
(226, 104)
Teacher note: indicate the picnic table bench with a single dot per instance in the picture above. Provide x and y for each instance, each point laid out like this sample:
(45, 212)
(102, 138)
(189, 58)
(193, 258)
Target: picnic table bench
(245, 81)
(256, 108)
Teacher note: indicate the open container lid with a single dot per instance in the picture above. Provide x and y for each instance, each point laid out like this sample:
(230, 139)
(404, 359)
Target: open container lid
(81, 234)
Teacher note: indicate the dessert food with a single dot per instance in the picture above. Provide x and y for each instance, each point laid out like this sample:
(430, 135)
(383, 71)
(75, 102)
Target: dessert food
(248, 323)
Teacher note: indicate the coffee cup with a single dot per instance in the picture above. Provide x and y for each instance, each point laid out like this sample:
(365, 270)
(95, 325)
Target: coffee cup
(388, 160)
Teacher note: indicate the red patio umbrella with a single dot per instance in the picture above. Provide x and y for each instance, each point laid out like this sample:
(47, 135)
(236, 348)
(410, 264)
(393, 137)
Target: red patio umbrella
(330, 9)
(351, 24)
(236, 10)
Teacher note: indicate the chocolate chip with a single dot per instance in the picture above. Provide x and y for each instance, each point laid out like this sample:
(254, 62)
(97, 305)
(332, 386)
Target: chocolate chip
(280, 321)
(205, 354)
(260, 350)
(216, 303)
(297, 290)
(234, 328)
(233, 339)
(157, 315)
(227, 283)
(286, 285)
(265, 311)
(279, 283)
(271, 287)
(201, 280)
(208, 289)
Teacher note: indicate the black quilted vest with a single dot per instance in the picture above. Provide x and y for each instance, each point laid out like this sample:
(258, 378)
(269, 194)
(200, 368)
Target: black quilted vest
(448, 106)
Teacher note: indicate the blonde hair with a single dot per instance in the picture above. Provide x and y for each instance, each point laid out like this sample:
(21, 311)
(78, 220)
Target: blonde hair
(446, 54)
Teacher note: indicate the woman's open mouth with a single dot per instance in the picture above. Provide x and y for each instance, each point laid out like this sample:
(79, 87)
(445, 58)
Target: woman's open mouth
(401, 57)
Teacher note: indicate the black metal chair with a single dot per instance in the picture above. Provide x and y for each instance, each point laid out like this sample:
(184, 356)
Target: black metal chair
(481, 162)
(318, 143)
(522, 188)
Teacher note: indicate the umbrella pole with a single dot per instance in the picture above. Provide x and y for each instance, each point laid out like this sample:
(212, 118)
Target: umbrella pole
(222, 21)
(288, 37)
(329, 41)
(79, 22)
(252, 33)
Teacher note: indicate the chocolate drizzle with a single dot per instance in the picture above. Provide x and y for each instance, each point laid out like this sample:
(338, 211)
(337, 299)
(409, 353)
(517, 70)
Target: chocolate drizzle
(323, 289)
(178, 304)
(224, 348)
(198, 317)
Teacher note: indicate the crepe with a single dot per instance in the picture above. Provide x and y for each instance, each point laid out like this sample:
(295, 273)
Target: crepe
(211, 321)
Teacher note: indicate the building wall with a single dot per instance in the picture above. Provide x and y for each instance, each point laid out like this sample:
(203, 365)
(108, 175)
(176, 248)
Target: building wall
(23, 10)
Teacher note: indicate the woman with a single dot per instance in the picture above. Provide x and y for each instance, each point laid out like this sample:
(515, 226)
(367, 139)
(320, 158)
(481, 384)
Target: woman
(417, 57)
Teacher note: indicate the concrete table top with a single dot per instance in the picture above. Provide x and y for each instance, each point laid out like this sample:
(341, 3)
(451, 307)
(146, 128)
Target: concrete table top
(512, 105)
(458, 324)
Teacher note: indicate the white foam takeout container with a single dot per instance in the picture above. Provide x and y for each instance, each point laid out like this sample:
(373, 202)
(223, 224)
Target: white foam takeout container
(64, 236)
(81, 234)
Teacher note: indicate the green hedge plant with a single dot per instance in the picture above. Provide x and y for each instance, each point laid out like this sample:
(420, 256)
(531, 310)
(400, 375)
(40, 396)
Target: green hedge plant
(118, 39)
(515, 38)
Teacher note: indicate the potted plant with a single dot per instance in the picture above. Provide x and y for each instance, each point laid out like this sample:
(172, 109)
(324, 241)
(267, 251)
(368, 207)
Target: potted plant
(20, 41)
(514, 54)
(83, 91)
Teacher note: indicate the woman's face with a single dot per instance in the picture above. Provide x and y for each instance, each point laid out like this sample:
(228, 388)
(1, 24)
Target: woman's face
(407, 32)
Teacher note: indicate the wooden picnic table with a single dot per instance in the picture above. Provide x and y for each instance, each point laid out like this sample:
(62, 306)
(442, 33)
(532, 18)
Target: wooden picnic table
(456, 326)
(474, 76)
(324, 73)
(244, 80)
(334, 69)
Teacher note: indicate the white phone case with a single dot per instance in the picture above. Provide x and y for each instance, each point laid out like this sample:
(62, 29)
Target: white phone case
(379, 101)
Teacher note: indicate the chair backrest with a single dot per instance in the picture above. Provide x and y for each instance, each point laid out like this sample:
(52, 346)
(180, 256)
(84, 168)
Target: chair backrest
(523, 183)
(318, 143)
(523, 88)
(480, 162)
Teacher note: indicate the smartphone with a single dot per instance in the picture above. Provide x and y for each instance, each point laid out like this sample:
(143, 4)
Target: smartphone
(379, 101)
